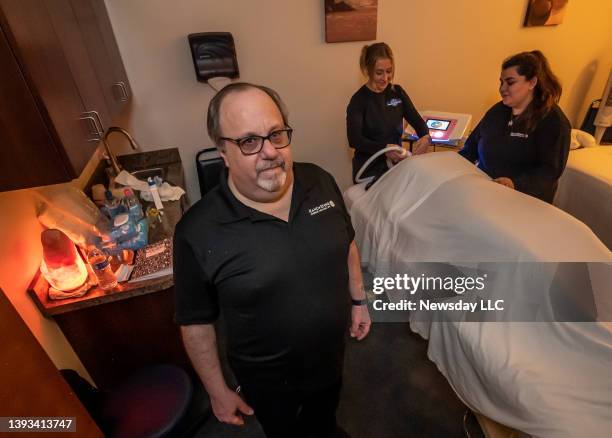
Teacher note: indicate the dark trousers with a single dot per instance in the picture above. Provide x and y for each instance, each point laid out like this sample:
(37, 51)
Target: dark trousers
(287, 412)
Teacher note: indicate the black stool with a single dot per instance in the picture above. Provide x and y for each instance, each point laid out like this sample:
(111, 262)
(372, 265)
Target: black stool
(150, 403)
(209, 165)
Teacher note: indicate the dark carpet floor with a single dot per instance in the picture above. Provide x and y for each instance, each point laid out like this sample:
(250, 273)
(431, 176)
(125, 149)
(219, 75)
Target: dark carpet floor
(391, 389)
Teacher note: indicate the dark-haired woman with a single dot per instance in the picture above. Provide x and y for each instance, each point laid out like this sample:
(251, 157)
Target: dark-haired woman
(376, 113)
(523, 141)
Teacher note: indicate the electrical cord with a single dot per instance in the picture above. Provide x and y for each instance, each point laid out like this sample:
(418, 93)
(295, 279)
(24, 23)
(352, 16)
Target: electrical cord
(212, 86)
(363, 168)
(466, 417)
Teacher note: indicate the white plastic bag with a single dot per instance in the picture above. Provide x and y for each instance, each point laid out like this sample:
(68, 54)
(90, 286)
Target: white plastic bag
(68, 209)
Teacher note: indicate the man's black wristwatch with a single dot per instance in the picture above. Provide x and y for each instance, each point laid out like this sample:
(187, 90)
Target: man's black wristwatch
(355, 302)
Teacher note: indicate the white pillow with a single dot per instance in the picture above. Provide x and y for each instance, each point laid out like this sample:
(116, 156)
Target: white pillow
(582, 139)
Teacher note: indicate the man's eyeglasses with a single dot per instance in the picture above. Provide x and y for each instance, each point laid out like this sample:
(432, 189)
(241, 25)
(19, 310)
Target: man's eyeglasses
(252, 144)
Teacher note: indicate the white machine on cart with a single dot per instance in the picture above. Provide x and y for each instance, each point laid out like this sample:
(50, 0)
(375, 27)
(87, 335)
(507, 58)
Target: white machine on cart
(444, 128)
(603, 119)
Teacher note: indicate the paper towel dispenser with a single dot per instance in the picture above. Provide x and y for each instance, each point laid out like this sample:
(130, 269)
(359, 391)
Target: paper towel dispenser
(214, 55)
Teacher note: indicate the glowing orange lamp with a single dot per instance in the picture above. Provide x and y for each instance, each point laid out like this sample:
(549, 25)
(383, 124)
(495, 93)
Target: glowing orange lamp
(62, 267)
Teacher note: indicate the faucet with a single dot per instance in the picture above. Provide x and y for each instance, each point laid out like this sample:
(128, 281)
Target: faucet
(112, 158)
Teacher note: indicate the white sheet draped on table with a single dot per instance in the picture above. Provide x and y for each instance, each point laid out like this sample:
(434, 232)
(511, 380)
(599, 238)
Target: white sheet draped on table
(585, 189)
(545, 379)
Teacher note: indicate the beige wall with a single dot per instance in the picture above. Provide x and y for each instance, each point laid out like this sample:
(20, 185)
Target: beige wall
(448, 55)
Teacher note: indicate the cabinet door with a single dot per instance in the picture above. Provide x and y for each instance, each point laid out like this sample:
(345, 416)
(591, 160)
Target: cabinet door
(30, 384)
(39, 52)
(80, 61)
(28, 154)
(104, 53)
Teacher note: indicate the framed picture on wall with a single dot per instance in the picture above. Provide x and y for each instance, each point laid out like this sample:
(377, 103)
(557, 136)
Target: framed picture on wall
(545, 12)
(350, 20)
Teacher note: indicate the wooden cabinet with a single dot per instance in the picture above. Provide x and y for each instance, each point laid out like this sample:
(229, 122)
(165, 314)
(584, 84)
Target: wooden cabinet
(23, 132)
(116, 333)
(30, 384)
(64, 85)
(116, 339)
(104, 53)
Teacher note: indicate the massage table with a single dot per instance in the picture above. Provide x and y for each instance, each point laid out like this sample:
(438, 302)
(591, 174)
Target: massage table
(585, 189)
(548, 379)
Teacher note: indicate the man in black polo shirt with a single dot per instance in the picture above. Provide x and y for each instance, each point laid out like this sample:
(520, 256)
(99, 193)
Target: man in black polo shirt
(272, 247)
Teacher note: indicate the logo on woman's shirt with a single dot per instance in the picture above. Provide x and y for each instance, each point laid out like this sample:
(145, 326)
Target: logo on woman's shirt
(394, 102)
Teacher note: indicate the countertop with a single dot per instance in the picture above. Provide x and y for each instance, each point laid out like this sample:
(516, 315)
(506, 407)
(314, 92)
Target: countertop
(169, 159)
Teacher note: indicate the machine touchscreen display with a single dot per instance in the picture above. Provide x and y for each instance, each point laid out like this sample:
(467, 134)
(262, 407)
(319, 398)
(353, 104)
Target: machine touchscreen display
(440, 125)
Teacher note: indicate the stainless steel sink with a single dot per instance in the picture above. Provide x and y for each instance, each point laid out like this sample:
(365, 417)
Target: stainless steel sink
(149, 173)
(141, 174)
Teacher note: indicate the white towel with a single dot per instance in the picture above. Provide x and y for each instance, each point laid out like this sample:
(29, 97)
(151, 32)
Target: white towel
(166, 191)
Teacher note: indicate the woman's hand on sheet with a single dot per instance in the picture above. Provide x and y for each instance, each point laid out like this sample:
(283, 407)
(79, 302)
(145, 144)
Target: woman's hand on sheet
(421, 146)
(360, 322)
(504, 181)
(395, 156)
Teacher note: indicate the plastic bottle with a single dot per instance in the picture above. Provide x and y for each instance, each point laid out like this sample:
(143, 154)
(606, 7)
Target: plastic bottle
(100, 264)
(123, 228)
(112, 204)
(155, 194)
(132, 204)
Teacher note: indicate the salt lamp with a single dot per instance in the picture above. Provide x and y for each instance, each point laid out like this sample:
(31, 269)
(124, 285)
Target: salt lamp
(61, 266)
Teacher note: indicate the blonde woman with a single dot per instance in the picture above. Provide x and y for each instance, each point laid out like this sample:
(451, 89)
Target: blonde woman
(376, 113)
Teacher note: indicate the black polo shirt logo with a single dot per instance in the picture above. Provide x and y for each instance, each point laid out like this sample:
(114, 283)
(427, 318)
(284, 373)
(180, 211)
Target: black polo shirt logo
(321, 208)
(519, 134)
